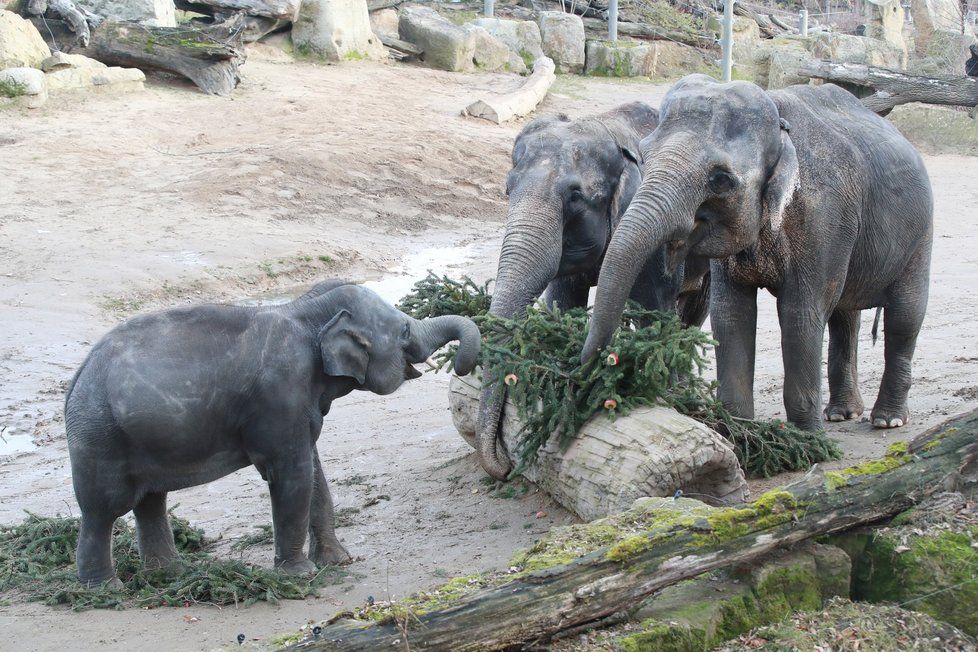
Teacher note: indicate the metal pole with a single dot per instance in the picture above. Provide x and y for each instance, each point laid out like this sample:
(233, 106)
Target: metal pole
(613, 20)
(803, 22)
(487, 8)
(727, 41)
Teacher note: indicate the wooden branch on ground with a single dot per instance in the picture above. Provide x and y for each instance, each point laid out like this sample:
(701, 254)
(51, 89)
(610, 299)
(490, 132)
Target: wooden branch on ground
(276, 9)
(401, 46)
(768, 29)
(893, 88)
(537, 606)
(520, 102)
(783, 25)
(208, 57)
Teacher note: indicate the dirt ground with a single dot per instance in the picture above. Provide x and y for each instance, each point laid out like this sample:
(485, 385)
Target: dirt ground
(111, 206)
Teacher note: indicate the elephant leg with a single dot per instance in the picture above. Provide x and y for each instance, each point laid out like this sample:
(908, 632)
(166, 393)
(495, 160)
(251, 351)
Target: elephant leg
(324, 547)
(154, 533)
(290, 480)
(567, 292)
(903, 316)
(845, 401)
(733, 316)
(802, 331)
(103, 496)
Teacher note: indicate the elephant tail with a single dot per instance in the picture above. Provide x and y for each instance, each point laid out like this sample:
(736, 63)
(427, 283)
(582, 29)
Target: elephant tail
(876, 324)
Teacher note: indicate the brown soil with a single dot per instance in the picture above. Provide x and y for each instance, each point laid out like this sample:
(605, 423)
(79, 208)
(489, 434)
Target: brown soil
(117, 205)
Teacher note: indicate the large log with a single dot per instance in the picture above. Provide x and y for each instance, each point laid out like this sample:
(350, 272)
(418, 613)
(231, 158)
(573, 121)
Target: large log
(208, 57)
(654, 451)
(277, 9)
(538, 605)
(522, 101)
(892, 88)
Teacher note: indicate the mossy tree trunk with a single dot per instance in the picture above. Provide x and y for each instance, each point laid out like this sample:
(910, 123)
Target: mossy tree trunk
(208, 57)
(538, 605)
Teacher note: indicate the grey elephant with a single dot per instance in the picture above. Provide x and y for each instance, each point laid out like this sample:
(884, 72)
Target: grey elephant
(570, 183)
(802, 191)
(183, 397)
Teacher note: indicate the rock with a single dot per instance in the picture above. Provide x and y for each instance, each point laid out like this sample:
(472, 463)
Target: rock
(160, 13)
(385, 22)
(928, 555)
(930, 16)
(490, 53)
(336, 30)
(102, 79)
(776, 62)
(945, 54)
(522, 37)
(562, 38)
(746, 39)
(448, 46)
(846, 48)
(60, 60)
(621, 59)
(938, 129)
(886, 21)
(21, 44)
(678, 60)
(23, 87)
(706, 611)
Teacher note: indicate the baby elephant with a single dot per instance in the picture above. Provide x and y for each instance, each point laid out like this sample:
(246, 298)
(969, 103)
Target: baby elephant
(183, 397)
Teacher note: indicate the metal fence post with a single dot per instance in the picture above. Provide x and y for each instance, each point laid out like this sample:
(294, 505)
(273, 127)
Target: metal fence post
(803, 22)
(613, 20)
(727, 41)
(487, 8)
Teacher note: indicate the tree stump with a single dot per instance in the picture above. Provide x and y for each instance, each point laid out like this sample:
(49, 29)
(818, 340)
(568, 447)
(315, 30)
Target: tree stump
(654, 451)
(500, 108)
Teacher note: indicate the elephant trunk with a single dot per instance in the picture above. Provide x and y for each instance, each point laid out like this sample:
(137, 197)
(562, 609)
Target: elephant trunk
(432, 334)
(662, 210)
(528, 261)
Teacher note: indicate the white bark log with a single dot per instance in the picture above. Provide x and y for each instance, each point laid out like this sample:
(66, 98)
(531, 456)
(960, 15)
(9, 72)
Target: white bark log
(520, 102)
(654, 451)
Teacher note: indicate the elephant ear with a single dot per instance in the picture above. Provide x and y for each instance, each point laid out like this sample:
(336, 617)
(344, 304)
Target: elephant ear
(345, 352)
(782, 182)
(628, 182)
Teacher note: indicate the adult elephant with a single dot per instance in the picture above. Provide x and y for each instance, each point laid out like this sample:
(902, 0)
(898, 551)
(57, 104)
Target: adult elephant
(802, 191)
(570, 183)
(183, 397)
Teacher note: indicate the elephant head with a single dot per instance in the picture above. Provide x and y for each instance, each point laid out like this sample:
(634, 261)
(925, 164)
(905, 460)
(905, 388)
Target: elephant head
(369, 341)
(720, 171)
(569, 184)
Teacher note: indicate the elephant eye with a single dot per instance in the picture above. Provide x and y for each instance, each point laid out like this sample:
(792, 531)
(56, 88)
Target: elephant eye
(721, 181)
(576, 196)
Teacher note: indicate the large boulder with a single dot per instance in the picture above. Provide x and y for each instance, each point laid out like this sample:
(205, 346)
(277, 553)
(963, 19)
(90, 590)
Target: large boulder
(21, 44)
(930, 16)
(336, 30)
(160, 13)
(621, 59)
(746, 38)
(385, 22)
(563, 40)
(522, 37)
(846, 48)
(885, 22)
(447, 46)
(96, 79)
(23, 86)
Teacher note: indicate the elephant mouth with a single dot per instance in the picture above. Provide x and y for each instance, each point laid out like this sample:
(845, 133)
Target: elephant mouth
(410, 372)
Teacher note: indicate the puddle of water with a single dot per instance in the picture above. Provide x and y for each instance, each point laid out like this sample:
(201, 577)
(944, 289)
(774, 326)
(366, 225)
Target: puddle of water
(188, 258)
(13, 441)
(415, 267)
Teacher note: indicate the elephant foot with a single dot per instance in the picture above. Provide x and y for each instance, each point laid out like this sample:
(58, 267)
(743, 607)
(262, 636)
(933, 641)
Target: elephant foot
(296, 567)
(883, 418)
(171, 565)
(334, 555)
(110, 584)
(834, 412)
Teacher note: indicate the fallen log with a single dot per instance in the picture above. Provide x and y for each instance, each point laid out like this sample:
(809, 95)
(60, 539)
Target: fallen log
(892, 88)
(208, 57)
(524, 100)
(399, 45)
(377, 5)
(783, 25)
(276, 9)
(79, 20)
(677, 545)
(766, 27)
(654, 451)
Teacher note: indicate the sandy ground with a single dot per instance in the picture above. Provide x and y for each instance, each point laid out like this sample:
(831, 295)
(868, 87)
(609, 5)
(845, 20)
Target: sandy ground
(116, 205)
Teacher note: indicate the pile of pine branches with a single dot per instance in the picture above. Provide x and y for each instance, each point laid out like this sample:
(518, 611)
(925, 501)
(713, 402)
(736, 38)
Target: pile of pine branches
(37, 562)
(653, 359)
